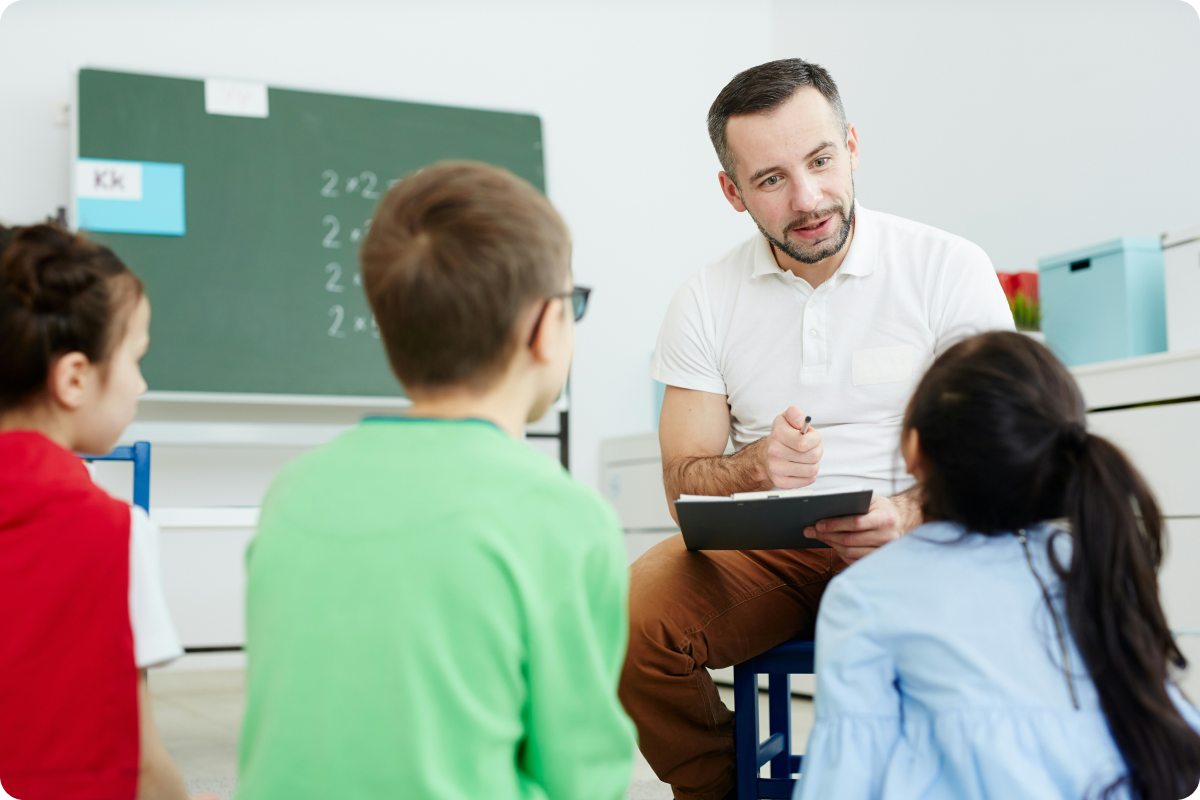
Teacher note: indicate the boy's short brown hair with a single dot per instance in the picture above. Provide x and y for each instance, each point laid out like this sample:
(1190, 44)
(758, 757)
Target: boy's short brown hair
(455, 253)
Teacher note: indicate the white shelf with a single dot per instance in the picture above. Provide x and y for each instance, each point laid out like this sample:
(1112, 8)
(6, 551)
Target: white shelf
(1145, 379)
(230, 517)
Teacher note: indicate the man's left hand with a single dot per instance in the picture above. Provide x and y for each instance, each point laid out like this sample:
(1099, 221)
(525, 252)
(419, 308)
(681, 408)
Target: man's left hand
(854, 537)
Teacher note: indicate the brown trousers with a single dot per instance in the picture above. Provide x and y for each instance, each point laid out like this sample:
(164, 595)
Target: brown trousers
(716, 608)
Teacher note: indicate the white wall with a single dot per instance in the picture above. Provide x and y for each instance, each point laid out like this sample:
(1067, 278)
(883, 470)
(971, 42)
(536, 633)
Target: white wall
(1028, 126)
(622, 89)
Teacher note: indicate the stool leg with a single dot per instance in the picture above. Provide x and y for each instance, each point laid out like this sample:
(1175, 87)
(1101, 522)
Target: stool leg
(745, 730)
(780, 721)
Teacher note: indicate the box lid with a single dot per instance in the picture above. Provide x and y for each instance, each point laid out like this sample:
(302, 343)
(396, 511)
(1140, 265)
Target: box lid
(1180, 236)
(1125, 243)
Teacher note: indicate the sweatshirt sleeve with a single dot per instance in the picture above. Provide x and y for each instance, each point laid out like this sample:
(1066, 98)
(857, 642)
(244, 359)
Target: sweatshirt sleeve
(579, 741)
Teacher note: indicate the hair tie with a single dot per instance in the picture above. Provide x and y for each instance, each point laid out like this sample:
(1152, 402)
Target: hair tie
(1073, 438)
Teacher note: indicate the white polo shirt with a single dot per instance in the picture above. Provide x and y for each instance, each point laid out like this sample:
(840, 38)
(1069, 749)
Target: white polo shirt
(849, 353)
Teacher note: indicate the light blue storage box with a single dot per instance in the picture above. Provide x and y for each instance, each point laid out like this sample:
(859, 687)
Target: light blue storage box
(1104, 302)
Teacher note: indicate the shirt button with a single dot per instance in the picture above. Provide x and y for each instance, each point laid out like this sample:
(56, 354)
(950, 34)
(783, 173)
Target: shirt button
(812, 334)
(812, 303)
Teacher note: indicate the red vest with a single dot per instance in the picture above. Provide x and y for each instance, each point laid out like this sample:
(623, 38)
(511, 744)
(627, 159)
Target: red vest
(68, 680)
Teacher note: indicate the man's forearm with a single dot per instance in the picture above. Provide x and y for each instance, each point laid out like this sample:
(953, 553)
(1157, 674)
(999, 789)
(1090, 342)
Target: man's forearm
(716, 475)
(908, 507)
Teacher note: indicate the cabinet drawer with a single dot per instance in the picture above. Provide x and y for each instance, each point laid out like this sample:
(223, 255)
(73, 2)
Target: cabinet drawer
(1179, 579)
(1164, 444)
(204, 580)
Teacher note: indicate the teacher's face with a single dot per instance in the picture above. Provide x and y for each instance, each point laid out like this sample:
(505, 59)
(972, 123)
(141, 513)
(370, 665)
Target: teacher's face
(794, 174)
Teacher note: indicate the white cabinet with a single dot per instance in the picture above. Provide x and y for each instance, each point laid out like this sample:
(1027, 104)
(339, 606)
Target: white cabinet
(631, 479)
(1179, 590)
(203, 555)
(1163, 442)
(1181, 274)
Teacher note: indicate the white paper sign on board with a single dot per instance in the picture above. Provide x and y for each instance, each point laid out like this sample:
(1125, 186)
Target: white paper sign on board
(108, 180)
(235, 98)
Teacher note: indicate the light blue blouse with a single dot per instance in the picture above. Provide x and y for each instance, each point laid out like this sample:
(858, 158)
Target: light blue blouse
(939, 675)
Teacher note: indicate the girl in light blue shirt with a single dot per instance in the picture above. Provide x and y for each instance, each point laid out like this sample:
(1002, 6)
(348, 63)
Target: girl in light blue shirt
(991, 653)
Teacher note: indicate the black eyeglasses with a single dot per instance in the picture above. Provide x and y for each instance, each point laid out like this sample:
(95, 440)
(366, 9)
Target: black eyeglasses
(579, 299)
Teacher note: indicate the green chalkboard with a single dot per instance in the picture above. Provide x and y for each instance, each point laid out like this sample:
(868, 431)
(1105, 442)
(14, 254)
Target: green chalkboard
(261, 294)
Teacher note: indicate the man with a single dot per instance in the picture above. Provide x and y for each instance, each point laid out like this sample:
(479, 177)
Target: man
(834, 312)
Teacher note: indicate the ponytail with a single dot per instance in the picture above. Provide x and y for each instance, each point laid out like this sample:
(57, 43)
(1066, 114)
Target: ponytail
(1112, 605)
(59, 293)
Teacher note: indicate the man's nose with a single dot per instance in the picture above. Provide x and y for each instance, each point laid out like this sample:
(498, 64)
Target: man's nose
(806, 195)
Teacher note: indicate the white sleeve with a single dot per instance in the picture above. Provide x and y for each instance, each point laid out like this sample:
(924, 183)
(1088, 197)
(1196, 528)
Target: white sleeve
(685, 355)
(967, 297)
(155, 641)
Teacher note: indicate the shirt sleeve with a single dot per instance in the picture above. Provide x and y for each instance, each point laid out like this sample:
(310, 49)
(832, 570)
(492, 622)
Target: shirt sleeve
(579, 741)
(967, 297)
(155, 640)
(858, 723)
(685, 355)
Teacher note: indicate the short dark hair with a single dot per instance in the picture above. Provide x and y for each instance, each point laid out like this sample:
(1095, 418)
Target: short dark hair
(455, 253)
(59, 293)
(763, 88)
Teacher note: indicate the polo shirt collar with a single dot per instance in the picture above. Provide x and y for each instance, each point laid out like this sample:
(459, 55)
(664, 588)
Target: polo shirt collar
(864, 247)
(860, 260)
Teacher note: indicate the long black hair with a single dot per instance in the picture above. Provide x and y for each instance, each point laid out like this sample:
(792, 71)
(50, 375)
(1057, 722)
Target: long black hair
(1002, 430)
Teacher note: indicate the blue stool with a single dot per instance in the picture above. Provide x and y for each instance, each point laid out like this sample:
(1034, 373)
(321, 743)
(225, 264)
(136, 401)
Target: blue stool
(789, 658)
(139, 454)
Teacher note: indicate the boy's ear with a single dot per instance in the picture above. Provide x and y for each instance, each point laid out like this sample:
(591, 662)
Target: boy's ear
(547, 335)
(70, 380)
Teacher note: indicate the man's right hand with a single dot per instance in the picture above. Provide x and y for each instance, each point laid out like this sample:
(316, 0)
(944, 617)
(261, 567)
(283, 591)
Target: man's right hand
(791, 459)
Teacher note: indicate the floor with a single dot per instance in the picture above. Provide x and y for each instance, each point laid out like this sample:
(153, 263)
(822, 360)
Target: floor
(199, 715)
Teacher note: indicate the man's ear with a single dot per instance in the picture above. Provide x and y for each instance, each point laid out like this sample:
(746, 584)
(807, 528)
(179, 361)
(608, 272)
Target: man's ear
(547, 336)
(70, 380)
(730, 190)
(852, 146)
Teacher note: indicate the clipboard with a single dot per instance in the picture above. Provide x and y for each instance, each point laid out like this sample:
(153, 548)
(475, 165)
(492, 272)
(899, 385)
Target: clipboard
(767, 523)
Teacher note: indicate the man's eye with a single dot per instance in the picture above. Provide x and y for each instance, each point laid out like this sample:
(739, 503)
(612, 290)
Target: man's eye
(771, 181)
(822, 161)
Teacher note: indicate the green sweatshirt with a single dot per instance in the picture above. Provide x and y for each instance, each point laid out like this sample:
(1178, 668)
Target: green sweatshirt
(434, 611)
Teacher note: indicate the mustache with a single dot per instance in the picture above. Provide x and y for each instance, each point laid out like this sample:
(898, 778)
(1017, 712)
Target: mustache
(816, 216)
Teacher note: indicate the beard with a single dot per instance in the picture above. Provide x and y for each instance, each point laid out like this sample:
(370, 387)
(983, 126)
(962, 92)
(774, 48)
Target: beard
(823, 250)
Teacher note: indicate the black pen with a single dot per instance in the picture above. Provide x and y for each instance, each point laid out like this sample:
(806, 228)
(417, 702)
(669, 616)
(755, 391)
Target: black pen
(804, 427)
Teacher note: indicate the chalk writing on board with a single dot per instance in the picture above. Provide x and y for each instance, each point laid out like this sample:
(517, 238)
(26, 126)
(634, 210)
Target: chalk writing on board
(338, 313)
(330, 239)
(335, 273)
(363, 183)
(349, 316)
(330, 188)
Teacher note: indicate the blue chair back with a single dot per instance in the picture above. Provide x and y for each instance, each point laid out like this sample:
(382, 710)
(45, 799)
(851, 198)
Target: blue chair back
(139, 454)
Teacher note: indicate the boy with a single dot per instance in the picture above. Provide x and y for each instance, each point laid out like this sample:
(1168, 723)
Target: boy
(436, 610)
